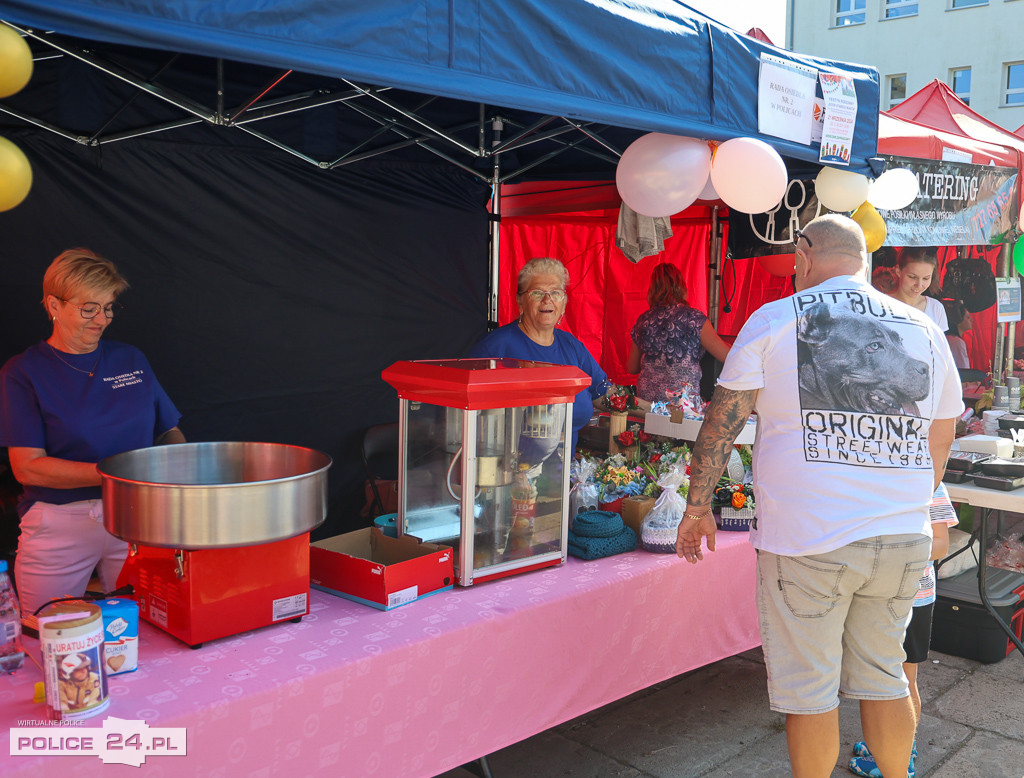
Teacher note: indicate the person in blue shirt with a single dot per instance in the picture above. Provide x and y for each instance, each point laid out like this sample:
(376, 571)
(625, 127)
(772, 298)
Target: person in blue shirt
(542, 299)
(65, 404)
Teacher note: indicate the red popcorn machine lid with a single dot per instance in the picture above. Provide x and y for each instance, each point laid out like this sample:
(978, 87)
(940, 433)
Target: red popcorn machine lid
(478, 384)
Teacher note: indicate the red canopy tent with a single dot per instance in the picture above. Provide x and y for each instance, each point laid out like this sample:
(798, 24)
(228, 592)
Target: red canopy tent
(936, 106)
(576, 223)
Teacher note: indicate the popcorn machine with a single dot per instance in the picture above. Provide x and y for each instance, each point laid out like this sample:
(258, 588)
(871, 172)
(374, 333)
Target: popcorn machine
(482, 460)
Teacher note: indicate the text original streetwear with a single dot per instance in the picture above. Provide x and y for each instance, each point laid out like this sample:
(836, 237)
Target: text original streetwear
(856, 393)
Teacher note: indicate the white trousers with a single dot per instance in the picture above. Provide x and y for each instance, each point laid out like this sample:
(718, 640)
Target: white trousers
(59, 547)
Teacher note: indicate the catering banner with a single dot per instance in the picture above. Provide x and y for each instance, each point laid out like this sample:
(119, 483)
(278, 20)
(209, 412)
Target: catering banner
(959, 205)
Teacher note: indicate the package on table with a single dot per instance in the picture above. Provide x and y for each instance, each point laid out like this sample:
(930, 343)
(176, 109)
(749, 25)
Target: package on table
(120, 635)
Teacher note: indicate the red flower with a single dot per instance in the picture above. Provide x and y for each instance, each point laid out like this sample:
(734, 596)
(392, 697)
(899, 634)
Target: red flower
(645, 437)
(627, 438)
(618, 402)
(654, 457)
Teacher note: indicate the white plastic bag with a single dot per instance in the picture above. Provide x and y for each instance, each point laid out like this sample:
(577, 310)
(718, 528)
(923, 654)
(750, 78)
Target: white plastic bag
(659, 528)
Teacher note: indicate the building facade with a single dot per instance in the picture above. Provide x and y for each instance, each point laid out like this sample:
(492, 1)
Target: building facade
(975, 46)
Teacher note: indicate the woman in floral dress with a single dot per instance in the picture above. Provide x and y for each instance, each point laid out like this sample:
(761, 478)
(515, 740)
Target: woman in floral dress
(669, 339)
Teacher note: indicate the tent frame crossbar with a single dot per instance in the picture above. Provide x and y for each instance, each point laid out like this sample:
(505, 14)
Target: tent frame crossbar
(406, 122)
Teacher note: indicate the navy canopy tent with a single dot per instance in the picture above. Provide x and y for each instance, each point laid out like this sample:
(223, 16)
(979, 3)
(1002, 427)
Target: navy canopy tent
(229, 156)
(652, 66)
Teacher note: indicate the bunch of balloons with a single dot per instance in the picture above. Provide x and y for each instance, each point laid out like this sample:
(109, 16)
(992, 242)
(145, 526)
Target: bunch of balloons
(659, 174)
(15, 72)
(844, 191)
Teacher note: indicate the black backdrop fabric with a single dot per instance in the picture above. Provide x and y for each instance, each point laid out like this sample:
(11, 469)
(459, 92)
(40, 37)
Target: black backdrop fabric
(267, 294)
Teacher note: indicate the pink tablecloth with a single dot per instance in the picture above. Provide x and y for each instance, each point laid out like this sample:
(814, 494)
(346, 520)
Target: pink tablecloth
(351, 691)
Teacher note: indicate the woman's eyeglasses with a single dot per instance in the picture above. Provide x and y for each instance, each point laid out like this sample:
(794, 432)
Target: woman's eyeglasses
(89, 310)
(556, 295)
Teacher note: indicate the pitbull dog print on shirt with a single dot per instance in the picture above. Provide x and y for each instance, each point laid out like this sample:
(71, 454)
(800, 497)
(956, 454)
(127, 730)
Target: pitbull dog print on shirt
(864, 387)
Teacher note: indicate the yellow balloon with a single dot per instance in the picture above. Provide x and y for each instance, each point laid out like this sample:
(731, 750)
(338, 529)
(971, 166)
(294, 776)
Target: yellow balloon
(15, 175)
(15, 62)
(873, 225)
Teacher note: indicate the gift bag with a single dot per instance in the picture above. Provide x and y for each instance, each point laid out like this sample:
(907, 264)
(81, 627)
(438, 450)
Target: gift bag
(659, 527)
(584, 492)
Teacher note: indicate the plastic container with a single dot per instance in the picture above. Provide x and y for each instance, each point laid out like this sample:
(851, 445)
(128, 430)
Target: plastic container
(1013, 384)
(12, 655)
(961, 625)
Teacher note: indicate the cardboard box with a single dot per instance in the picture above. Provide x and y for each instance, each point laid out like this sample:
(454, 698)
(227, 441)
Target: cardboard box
(634, 509)
(120, 635)
(369, 567)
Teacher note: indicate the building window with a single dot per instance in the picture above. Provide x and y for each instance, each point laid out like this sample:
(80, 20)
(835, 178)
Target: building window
(1014, 92)
(849, 12)
(960, 81)
(897, 89)
(966, 3)
(893, 9)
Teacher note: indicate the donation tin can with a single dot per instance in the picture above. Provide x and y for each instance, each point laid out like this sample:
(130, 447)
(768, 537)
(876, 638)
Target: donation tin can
(71, 639)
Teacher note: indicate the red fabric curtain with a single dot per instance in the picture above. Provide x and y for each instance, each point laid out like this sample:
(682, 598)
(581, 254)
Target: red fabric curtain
(607, 292)
(981, 338)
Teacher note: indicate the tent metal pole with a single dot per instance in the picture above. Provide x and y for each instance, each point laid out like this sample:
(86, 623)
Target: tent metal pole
(497, 125)
(167, 95)
(714, 255)
(593, 136)
(1008, 269)
(77, 138)
(413, 118)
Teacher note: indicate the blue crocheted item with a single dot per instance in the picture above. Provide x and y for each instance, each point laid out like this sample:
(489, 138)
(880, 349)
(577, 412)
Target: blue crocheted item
(597, 524)
(585, 547)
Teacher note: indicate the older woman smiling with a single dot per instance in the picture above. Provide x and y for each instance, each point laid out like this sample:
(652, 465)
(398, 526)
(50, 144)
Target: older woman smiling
(542, 299)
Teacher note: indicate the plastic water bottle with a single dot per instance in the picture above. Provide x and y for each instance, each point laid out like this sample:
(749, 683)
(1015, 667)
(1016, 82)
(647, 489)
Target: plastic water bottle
(11, 653)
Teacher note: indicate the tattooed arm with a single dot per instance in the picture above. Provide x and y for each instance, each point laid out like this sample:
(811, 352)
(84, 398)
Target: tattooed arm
(723, 422)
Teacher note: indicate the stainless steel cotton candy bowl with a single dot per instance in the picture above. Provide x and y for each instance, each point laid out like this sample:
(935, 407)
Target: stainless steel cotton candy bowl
(214, 495)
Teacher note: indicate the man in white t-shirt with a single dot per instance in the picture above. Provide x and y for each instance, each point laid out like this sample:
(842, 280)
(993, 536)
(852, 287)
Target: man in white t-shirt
(856, 397)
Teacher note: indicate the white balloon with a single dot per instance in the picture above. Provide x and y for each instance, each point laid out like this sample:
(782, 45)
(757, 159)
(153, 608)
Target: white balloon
(708, 192)
(894, 189)
(659, 174)
(749, 175)
(840, 190)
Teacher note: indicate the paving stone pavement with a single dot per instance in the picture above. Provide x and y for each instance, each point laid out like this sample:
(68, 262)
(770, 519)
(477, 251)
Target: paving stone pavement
(715, 722)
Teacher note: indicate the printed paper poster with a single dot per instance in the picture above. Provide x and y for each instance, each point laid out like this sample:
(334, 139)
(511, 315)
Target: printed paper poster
(840, 118)
(785, 99)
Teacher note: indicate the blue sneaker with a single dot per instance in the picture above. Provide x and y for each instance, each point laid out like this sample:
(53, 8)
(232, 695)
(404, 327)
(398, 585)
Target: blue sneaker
(865, 766)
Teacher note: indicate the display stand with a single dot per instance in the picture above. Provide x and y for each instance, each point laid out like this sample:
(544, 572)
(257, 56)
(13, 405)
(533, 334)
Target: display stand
(988, 500)
(687, 429)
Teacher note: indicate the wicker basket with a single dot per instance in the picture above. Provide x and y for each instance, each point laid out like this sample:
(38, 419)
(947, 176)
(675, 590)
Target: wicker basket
(735, 520)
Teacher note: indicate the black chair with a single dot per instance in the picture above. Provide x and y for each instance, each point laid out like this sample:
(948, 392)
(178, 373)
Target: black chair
(380, 458)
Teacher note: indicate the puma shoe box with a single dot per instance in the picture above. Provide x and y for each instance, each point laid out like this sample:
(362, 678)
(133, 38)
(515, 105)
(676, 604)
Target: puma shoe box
(961, 625)
(120, 635)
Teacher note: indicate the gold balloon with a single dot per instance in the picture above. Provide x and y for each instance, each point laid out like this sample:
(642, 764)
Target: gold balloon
(15, 175)
(873, 225)
(15, 62)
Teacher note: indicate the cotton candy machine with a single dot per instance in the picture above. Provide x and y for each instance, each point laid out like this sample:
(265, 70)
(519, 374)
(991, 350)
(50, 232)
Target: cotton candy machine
(219, 532)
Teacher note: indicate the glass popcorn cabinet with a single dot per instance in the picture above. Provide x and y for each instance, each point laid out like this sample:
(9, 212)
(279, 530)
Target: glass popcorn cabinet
(482, 460)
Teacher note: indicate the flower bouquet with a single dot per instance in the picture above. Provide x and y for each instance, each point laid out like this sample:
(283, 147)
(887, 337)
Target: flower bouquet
(616, 479)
